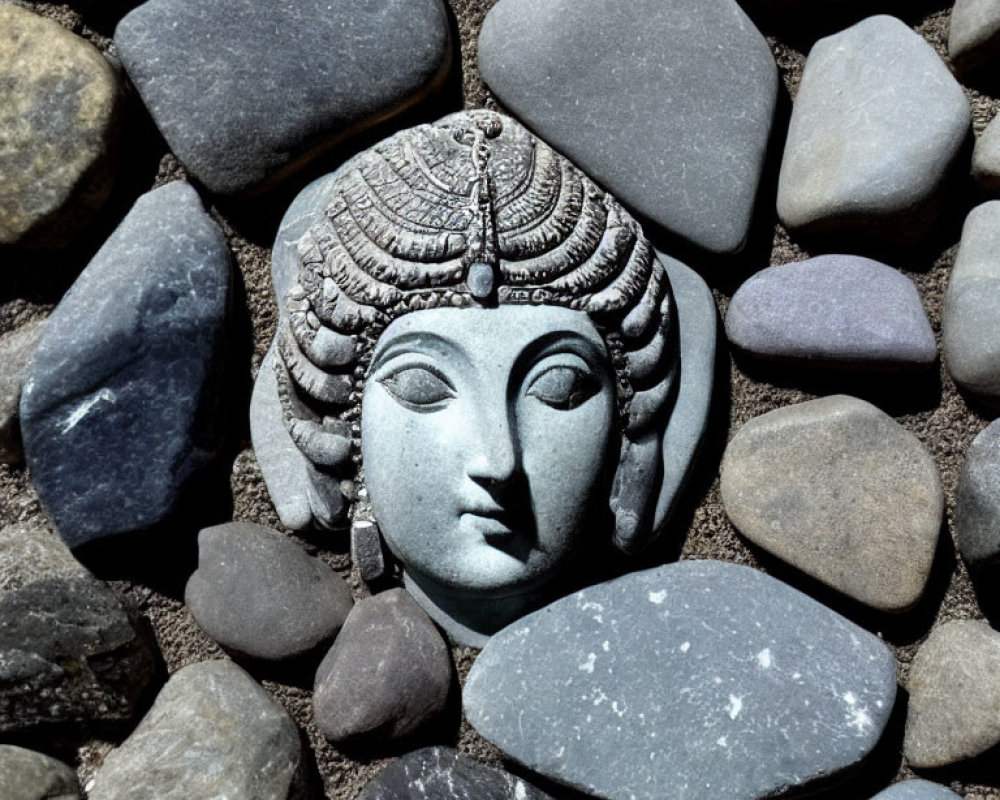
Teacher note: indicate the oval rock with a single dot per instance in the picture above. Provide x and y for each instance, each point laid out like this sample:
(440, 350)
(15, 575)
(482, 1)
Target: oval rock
(977, 507)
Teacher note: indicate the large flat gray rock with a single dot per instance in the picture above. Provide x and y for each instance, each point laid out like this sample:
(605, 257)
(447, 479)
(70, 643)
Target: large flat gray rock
(666, 103)
(699, 679)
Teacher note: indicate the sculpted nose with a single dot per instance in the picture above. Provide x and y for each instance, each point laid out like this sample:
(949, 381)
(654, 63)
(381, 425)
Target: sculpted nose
(493, 450)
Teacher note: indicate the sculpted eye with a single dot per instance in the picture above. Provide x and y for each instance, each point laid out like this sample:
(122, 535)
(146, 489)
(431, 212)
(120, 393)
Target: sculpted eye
(564, 387)
(418, 388)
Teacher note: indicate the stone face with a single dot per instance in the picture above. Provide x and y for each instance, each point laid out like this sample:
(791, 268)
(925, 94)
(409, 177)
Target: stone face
(213, 732)
(954, 685)
(388, 672)
(974, 37)
(259, 593)
(986, 157)
(917, 790)
(840, 490)
(698, 678)
(68, 650)
(970, 337)
(441, 773)
(16, 350)
(977, 507)
(877, 122)
(837, 310)
(247, 92)
(27, 775)
(58, 120)
(119, 408)
(667, 103)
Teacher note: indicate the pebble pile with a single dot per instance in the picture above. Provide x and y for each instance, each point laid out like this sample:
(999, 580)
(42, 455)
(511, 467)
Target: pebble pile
(698, 679)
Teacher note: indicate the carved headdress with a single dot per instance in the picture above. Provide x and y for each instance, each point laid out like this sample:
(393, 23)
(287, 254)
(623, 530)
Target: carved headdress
(472, 211)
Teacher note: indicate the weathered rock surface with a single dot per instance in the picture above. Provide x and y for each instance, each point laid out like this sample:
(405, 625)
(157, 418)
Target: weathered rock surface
(388, 672)
(836, 309)
(68, 650)
(666, 103)
(16, 350)
(58, 122)
(970, 336)
(977, 507)
(213, 732)
(917, 790)
(120, 403)
(986, 157)
(246, 92)
(954, 685)
(875, 127)
(840, 490)
(262, 595)
(27, 775)
(441, 773)
(974, 37)
(698, 678)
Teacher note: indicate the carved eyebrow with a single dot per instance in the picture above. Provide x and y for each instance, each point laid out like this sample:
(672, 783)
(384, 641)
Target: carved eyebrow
(555, 342)
(419, 342)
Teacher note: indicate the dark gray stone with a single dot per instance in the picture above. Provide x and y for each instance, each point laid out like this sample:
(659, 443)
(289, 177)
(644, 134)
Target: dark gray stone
(27, 775)
(667, 103)
(246, 92)
(842, 491)
(213, 732)
(868, 145)
(974, 35)
(954, 685)
(260, 594)
(120, 403)
(701, 678)
(441, 773)
(69, 652)
(977, 507)
(845, 311)
(917, 789)
(388, 672)
(16, 350)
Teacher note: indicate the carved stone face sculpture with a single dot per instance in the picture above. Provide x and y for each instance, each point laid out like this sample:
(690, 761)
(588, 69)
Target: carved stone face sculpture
(479, 356)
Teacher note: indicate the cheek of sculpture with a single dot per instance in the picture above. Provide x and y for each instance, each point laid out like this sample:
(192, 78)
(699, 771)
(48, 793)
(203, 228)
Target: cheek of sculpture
(488, 439)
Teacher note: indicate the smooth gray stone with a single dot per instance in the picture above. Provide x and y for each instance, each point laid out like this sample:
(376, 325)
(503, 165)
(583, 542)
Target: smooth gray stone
(388, 672)
(16, 350)
(840, 310)
(974, 36)
(27, 775)
(986, 157)
(970, 336)
(977, 507)
(441, 773)
(954, 685)
(667, 103)
(869, 144)
(840, 490)
(259, 593)
(246, 92)
(916, 789)
(700, 678)
(120, 405)
(213, 732)
(69, 652)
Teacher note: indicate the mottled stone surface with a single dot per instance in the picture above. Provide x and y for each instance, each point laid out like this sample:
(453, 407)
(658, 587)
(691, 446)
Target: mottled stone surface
(441, 773)
(836, 310)
(917, 790)
(700, 678)
(840, 490)
(954, 685)
(974, 37)
(27, 775)
(246, 92)
(260, 594)
(876, 124)
(16, 350)
(667, 103)
(120, 403)
(970, 336)
(986, 157)
(58, 122)
(977, 507)
(388, 672)
(213, 732)
(69, 652)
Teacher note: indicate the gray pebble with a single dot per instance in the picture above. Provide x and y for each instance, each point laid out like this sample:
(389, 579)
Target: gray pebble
(388, 672)
(974, 36)
(16, 350)
(977, 507)
(840, 490)
(699, 679)
(27, 775)
(666, 103)
(916, 789)
(986, 157)
(954, 685)
(875, 127)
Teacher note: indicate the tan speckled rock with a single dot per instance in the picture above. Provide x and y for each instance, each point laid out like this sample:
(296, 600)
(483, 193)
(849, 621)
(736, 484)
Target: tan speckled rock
(954, 710)
(58, 112)
(840, 490)
(16, 350)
